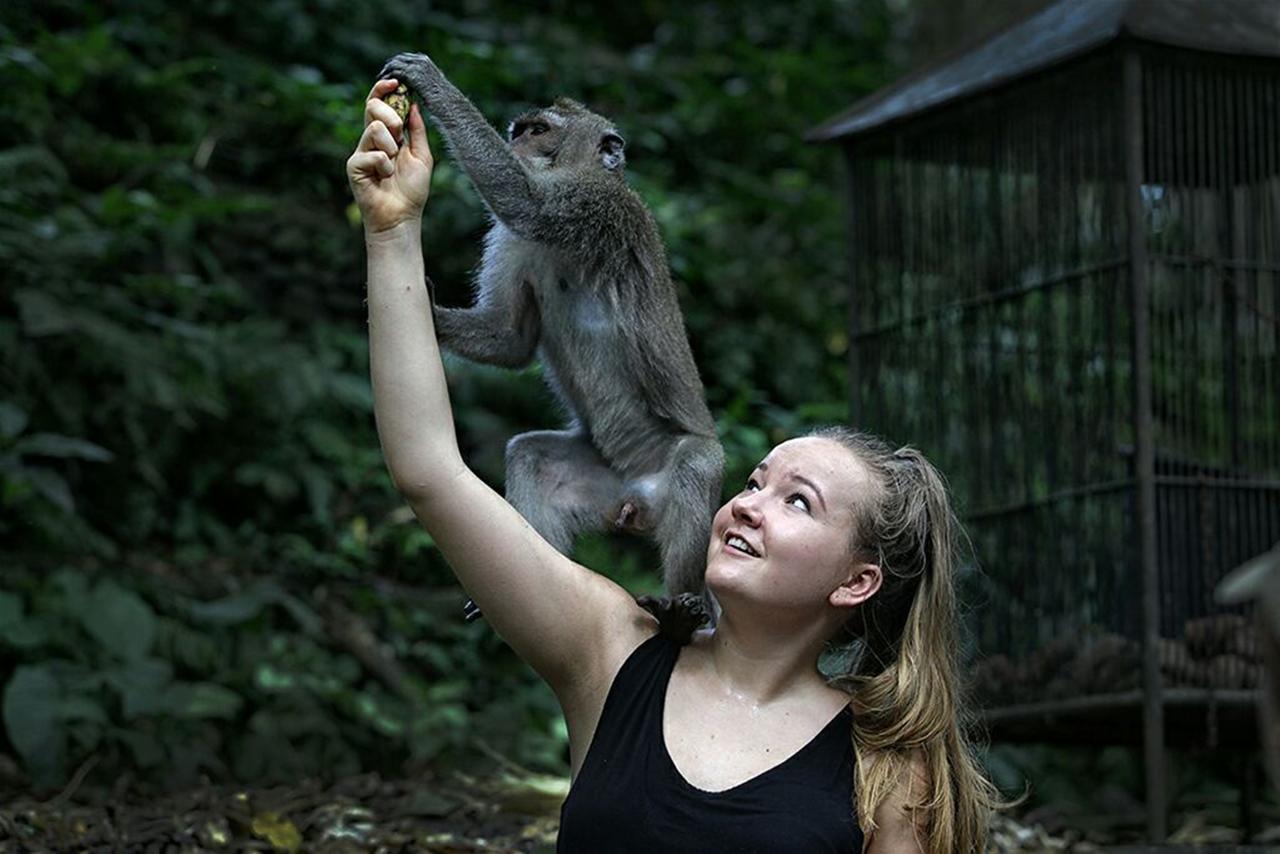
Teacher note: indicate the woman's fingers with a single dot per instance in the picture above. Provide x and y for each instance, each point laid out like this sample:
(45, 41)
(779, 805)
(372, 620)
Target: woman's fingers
(372, 163)
(418, 145)
(376, 137)
(376, 110)
(383, 87)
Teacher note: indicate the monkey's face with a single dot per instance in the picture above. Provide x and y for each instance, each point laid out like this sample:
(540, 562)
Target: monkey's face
(566, 135)
(781, 546)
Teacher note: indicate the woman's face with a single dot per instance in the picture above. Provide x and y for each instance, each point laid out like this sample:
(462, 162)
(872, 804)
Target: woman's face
(795, 514)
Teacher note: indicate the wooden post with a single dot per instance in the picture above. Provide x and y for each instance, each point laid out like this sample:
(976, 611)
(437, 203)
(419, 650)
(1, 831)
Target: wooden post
(852, 324)
(1144, 457)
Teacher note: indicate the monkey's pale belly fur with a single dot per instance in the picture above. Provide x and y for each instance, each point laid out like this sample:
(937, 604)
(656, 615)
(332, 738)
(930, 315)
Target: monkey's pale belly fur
(654, 473)
(579, 350)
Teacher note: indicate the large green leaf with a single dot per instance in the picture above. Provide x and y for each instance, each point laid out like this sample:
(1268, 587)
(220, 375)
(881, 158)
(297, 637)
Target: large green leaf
(11, 609)
(147, 751)
(12, 420)
(42, 314)
(202, 700)
(247, 604)
(18, 630)
(141, 685)
(53, 445)
(32, 720)
(120, 620)
(238, 607)
(51, 485)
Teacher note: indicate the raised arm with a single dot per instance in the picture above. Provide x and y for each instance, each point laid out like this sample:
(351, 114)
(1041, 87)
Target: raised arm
(561, 618)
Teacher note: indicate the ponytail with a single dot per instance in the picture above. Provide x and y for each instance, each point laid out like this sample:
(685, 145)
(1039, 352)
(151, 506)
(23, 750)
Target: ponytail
(904, 682)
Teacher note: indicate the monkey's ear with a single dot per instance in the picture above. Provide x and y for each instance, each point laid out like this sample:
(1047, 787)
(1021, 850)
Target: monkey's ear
(611, 152)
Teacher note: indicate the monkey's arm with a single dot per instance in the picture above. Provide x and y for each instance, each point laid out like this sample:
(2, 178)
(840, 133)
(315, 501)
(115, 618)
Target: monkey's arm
(570, 624)
(502, 181)
(502, 329)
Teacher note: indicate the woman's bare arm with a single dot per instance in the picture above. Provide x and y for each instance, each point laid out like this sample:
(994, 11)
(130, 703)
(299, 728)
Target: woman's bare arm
(897, 831)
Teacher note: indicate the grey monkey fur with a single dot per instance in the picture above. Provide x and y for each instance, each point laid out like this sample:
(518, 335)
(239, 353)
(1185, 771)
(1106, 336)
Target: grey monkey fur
(574, 271)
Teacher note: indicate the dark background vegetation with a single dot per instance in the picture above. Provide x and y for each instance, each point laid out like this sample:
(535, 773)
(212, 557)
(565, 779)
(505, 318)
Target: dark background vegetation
(205, 570)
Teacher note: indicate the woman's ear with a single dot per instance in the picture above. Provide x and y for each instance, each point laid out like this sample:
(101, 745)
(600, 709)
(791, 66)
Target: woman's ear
(863, 581)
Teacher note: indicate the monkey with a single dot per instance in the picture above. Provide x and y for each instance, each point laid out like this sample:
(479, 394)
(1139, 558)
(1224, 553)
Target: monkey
(575, 273)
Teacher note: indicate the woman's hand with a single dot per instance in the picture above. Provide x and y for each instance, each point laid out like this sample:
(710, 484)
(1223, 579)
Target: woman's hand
(390, 181)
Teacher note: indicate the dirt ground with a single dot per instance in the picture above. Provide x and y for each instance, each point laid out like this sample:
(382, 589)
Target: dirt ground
(510, 812)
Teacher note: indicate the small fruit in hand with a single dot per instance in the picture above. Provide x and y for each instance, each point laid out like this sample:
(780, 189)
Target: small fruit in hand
(399, 101)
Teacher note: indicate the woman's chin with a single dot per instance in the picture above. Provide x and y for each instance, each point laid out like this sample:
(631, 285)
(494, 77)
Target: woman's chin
(728, 577)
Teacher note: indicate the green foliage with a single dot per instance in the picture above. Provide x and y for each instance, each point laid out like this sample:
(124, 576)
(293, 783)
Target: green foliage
(192, 495)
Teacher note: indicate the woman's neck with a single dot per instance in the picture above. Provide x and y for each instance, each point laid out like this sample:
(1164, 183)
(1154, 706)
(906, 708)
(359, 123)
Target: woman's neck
(763, 666)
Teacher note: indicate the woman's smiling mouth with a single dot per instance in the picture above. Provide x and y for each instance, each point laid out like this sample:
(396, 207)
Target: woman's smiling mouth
(738, 543)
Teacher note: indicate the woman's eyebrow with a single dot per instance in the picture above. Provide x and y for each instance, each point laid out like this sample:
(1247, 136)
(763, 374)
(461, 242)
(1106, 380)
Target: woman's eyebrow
(763, 466)
(812, 486)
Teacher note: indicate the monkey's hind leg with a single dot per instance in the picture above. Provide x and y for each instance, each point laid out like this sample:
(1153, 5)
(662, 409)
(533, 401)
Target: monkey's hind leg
(561, 485)
(695, 470)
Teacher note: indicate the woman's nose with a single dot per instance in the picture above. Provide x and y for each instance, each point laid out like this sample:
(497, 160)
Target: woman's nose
(746, 509)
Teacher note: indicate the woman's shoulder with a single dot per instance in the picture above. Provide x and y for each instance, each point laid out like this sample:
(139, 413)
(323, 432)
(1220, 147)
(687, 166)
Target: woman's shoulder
(899, 819)
(623, 632)
(914, 772)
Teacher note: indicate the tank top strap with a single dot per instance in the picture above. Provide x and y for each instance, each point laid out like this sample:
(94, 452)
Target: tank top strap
(631, 720)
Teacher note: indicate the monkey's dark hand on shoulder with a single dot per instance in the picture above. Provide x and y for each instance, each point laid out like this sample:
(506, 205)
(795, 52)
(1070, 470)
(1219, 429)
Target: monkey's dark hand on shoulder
(575, 273)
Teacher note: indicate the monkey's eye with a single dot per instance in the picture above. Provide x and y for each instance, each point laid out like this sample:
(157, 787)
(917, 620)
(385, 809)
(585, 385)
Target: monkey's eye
(612, 142)
(533, 128)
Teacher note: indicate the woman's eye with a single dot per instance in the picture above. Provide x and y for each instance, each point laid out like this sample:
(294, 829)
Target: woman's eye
(751, 485)
(804, 502)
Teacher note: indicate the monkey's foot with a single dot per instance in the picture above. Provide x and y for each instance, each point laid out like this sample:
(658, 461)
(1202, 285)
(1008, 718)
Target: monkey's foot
(471, 611)
(678, 616)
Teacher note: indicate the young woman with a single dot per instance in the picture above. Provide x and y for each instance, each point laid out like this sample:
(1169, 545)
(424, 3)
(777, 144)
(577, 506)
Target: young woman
(735, 741)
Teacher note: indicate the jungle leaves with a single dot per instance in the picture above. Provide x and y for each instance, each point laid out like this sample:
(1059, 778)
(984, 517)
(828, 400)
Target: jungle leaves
(103, 680)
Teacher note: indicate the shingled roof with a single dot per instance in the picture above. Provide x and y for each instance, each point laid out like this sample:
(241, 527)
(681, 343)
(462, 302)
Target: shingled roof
(1062, 31)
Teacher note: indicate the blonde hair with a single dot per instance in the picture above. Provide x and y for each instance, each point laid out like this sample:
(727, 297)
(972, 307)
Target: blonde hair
(904, 681)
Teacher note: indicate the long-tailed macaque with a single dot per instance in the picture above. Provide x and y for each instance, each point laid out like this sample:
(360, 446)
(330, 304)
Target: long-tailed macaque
(574, 272)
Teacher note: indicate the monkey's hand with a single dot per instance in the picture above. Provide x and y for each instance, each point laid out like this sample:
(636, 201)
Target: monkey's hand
(390, 171)
(419, 73)
(678, 616)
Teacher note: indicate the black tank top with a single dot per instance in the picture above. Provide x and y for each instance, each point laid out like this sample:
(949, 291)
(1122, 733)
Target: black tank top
(630, 797)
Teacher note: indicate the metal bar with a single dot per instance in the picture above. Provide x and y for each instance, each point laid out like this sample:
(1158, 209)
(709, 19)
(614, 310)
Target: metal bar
(851, 351)
(1227, 223)
(1047, 181)
(1241, 265)
(1144, 470)
(995, 297)
(1218, 483)
(1237, 698)
(1051, 498)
